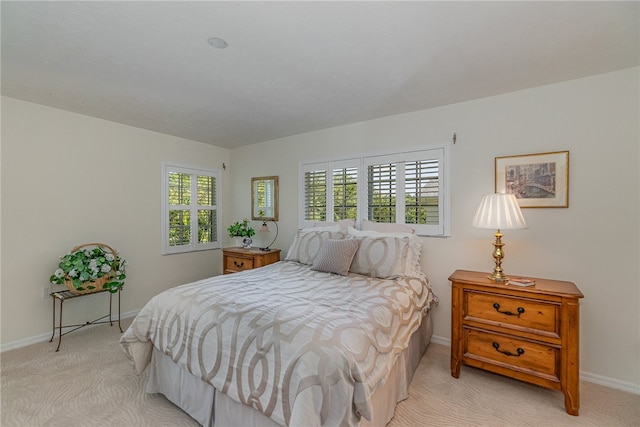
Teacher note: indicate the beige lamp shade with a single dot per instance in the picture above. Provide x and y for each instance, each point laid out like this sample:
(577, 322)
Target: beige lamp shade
(499, 212)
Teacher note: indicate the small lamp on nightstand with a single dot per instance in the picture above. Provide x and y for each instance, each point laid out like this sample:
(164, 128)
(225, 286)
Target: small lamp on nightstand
(499, 211)
(265, 229)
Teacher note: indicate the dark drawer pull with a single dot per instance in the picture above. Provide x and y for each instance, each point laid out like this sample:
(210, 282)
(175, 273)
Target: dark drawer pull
(508, 353)
(238, 264)
(508, 313)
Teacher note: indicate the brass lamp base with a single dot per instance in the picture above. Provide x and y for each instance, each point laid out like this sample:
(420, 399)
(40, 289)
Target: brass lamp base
(498, 277)
(498, 254)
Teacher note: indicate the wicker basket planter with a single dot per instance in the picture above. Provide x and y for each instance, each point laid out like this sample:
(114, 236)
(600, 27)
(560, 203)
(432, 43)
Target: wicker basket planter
(90, 267)
(87, 287)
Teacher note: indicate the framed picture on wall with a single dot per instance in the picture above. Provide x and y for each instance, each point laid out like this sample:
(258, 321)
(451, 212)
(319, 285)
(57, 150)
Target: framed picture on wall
(537, 180)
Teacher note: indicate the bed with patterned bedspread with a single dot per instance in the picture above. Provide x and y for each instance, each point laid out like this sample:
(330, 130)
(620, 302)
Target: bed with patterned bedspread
(303, 347)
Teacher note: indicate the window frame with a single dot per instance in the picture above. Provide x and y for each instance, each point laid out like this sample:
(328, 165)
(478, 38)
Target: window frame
(440, 152)
(193, 208)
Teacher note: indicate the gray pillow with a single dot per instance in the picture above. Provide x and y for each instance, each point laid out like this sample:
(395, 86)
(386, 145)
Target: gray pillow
(335, 256)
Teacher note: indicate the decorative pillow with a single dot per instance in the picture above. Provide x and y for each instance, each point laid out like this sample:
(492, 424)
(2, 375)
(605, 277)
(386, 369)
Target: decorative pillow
(335, 256)
(408, 265)
(386, 227)
(383, 257)
(308, 241)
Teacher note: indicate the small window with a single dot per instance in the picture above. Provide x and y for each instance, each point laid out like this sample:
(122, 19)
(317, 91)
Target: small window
(315, 195)
(381, 192)
(345, 193)
(422, 190)
(330, 191)
(406, 188)
(190, 209)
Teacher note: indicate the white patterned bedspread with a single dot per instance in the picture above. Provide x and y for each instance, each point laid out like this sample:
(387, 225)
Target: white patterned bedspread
(301, 346)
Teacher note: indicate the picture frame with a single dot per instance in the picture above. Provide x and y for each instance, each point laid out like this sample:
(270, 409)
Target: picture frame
(537, 180)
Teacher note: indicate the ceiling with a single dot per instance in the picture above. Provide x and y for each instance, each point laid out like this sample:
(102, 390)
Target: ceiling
(295, 67)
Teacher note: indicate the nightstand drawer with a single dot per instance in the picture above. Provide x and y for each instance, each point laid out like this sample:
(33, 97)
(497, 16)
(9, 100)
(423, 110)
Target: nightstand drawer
(511, 351)
(238, 264)
(519, 312)
(241, 259)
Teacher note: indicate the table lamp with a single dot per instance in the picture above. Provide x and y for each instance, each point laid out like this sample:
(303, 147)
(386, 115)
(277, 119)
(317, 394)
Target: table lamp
(265, 229)
(498, 212)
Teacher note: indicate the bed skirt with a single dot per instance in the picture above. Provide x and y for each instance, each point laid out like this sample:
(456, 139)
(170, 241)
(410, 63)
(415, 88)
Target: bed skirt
(212, 408)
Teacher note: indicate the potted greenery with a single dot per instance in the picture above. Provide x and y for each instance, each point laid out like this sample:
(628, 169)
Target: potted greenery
(91, 267)
(242, 229)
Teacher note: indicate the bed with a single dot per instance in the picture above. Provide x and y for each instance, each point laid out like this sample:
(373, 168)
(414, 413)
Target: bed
(329, 336)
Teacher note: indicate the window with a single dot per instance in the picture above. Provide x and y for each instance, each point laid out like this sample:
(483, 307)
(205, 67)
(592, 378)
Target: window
(422, 187)
(381, 192)
(190, 209)
(330, 191)
(315, 195)
(345, 193)
(407, 188)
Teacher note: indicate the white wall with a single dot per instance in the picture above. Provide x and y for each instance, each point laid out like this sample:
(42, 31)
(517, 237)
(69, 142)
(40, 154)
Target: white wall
(69, 179)
(594, 243)
(53, 160)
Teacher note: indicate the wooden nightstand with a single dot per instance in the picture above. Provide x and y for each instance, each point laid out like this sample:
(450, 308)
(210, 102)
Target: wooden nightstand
(240, 259)
(527, 333)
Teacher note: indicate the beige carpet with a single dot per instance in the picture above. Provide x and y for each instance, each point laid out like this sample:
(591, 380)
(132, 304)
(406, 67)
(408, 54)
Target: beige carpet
(90, 382)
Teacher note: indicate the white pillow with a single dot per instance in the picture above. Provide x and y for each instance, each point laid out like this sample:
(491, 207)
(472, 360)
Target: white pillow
(411, 258)
(308, 241)
(335, 256)
(334, 227)
(343, 224)
(386, 227)
(372, 233)
(383, 257)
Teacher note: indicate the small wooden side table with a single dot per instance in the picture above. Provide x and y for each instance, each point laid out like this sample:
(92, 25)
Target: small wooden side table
(526, 333)
(239, 259)
(62, 296)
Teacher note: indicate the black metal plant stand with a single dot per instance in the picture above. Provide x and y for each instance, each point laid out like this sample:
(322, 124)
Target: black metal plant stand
(62, 296)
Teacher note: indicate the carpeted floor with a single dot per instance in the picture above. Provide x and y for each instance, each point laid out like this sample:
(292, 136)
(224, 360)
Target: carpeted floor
(90, 382)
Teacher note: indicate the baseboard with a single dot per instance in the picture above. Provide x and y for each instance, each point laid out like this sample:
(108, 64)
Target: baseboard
(441, 340)
(610, 382)
(47, 336)
(584, 376)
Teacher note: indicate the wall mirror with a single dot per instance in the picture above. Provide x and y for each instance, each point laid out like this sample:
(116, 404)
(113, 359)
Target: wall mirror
(264, 198)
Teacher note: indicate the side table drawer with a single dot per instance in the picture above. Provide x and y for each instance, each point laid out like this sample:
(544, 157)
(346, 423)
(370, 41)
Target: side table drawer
(238, 264)
(240, 259)
(535, 315)
(512, 352)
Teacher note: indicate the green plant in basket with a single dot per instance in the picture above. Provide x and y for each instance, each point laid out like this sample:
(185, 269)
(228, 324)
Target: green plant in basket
(84, 266)
(241, 229)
